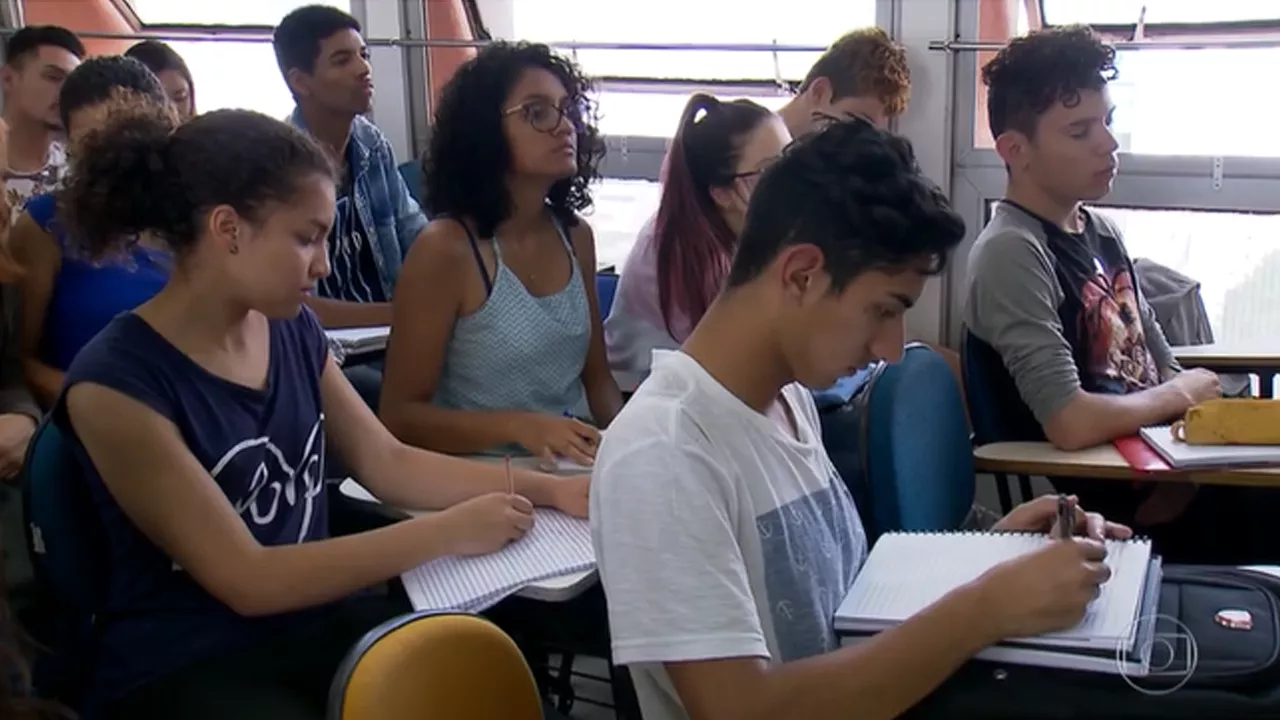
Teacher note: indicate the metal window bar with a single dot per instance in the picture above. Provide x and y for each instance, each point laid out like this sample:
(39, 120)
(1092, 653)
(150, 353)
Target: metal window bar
(1238, 43)
(263, 34)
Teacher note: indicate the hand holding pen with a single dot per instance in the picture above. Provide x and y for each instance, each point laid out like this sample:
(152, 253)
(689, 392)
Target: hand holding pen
(1062, 517)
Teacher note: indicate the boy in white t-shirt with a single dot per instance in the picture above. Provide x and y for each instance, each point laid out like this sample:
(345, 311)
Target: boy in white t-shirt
(725, 537)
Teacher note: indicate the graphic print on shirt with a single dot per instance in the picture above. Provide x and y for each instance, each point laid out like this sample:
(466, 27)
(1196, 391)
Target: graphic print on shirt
(352, 269)
(1111, 324)
(811, 548)
(274, 485)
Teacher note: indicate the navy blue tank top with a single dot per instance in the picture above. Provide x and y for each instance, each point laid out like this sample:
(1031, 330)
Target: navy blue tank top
(87, 294)
(264, 448)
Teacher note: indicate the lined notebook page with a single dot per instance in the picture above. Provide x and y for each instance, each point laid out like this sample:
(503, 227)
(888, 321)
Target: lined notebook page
(907, 572)
(557, 545)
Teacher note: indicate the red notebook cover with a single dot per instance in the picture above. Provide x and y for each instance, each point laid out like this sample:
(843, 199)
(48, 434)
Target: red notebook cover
(1140, 456)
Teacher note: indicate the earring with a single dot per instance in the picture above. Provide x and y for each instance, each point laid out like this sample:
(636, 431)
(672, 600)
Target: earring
(235, 237)
(234, 249)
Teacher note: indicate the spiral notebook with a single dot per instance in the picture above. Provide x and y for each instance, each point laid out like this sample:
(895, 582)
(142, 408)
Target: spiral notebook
(557, 545)
(1184, 456)
(907, 572)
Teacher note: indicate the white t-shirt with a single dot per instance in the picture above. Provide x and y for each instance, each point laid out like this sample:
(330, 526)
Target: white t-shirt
(635, 327)
(21, 187)
(718, 535)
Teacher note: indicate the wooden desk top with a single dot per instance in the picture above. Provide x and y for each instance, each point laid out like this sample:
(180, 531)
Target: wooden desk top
(1103, 463)
(1228, 355)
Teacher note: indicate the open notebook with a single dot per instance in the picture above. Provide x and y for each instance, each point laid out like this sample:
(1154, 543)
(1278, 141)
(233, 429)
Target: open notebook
(557, 545)
(355, 341)
(1181, 455)
(907, 572)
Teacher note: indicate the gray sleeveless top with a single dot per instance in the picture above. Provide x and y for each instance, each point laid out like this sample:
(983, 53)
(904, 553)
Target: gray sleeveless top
(519, 352)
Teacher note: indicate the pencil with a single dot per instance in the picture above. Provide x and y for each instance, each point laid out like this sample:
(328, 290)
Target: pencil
(511, 485)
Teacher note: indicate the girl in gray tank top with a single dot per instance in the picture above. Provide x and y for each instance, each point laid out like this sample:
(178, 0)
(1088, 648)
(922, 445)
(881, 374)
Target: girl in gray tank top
(497, 342)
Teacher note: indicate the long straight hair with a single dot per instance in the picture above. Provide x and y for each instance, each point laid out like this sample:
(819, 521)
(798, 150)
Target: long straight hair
(694, 243)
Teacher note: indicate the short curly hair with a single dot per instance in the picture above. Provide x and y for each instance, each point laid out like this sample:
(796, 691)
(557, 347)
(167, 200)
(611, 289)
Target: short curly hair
(465, 169)
(865, 62)
(855, 192)
(1035, 71)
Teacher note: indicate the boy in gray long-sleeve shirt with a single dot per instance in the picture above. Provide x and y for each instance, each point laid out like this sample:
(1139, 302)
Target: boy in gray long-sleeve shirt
(1052, 292)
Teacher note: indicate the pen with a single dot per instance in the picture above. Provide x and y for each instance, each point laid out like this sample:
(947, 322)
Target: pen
(1065, 524)
(511, 485)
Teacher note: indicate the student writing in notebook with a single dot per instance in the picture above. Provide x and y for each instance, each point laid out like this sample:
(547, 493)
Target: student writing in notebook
(200, 420)
(725, 538)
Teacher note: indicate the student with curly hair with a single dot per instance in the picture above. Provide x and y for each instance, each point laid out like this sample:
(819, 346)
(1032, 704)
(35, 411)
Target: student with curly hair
(864, 74)
(172, 71)
(1054, 307)
(498, 342)
(200, 421)
(726, 539)
(68, 298)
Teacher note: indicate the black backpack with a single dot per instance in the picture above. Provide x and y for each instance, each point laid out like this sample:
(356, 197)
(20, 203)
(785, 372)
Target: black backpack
(1236, 675)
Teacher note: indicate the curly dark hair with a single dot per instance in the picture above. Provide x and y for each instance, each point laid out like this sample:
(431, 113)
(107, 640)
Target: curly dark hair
(1035, 71)
(138, 174)
(465, 169)
(857, 194)
(103, 78)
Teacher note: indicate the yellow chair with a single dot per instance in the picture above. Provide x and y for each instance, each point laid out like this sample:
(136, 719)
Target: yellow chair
(435, 666)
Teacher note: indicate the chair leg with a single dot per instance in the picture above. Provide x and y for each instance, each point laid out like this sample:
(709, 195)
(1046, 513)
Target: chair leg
(1024, 485)
(1002, 489)
(562, 685)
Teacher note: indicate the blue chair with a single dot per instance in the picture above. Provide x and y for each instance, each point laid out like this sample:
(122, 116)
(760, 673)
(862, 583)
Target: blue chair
(63, 539)
(918, 455)
(61, 522)
(412, 174)
(996, 408)
(606, 288)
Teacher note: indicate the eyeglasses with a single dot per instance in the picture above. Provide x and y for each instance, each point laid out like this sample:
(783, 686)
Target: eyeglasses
(545, 116)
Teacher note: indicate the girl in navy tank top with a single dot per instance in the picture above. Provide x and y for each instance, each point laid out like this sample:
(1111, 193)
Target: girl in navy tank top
(200, 421)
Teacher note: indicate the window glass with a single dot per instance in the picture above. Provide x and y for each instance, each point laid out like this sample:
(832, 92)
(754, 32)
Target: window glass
(1126, 12)
(713, 22)
(1152, 115)
(220, 71)
(655, 114)
(621, 209)
(221, 12)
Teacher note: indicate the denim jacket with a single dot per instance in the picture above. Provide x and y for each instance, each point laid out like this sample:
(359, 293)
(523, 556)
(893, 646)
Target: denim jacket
(383, 202)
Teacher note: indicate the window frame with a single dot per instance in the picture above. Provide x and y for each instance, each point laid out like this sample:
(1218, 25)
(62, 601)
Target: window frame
(968, 155)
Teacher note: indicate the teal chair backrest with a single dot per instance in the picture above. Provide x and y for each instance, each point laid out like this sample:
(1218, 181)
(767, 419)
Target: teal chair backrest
(919, 456)
(62, 526)
(412, 174)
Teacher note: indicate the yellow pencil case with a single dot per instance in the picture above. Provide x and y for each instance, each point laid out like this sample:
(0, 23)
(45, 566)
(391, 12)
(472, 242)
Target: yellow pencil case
(1230, 421)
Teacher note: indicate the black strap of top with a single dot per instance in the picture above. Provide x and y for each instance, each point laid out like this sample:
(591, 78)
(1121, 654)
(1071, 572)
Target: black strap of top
(475, 251)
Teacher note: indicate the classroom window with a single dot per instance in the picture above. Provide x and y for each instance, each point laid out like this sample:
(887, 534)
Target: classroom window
(265, 13)
(656, 114)
(812, 23)
(230, 74)
(1150, 93)
(1127, 12)
(621, 209)
(1235, 257)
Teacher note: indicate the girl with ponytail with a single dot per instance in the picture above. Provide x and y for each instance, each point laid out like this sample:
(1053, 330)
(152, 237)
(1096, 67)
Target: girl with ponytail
(682, 255)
